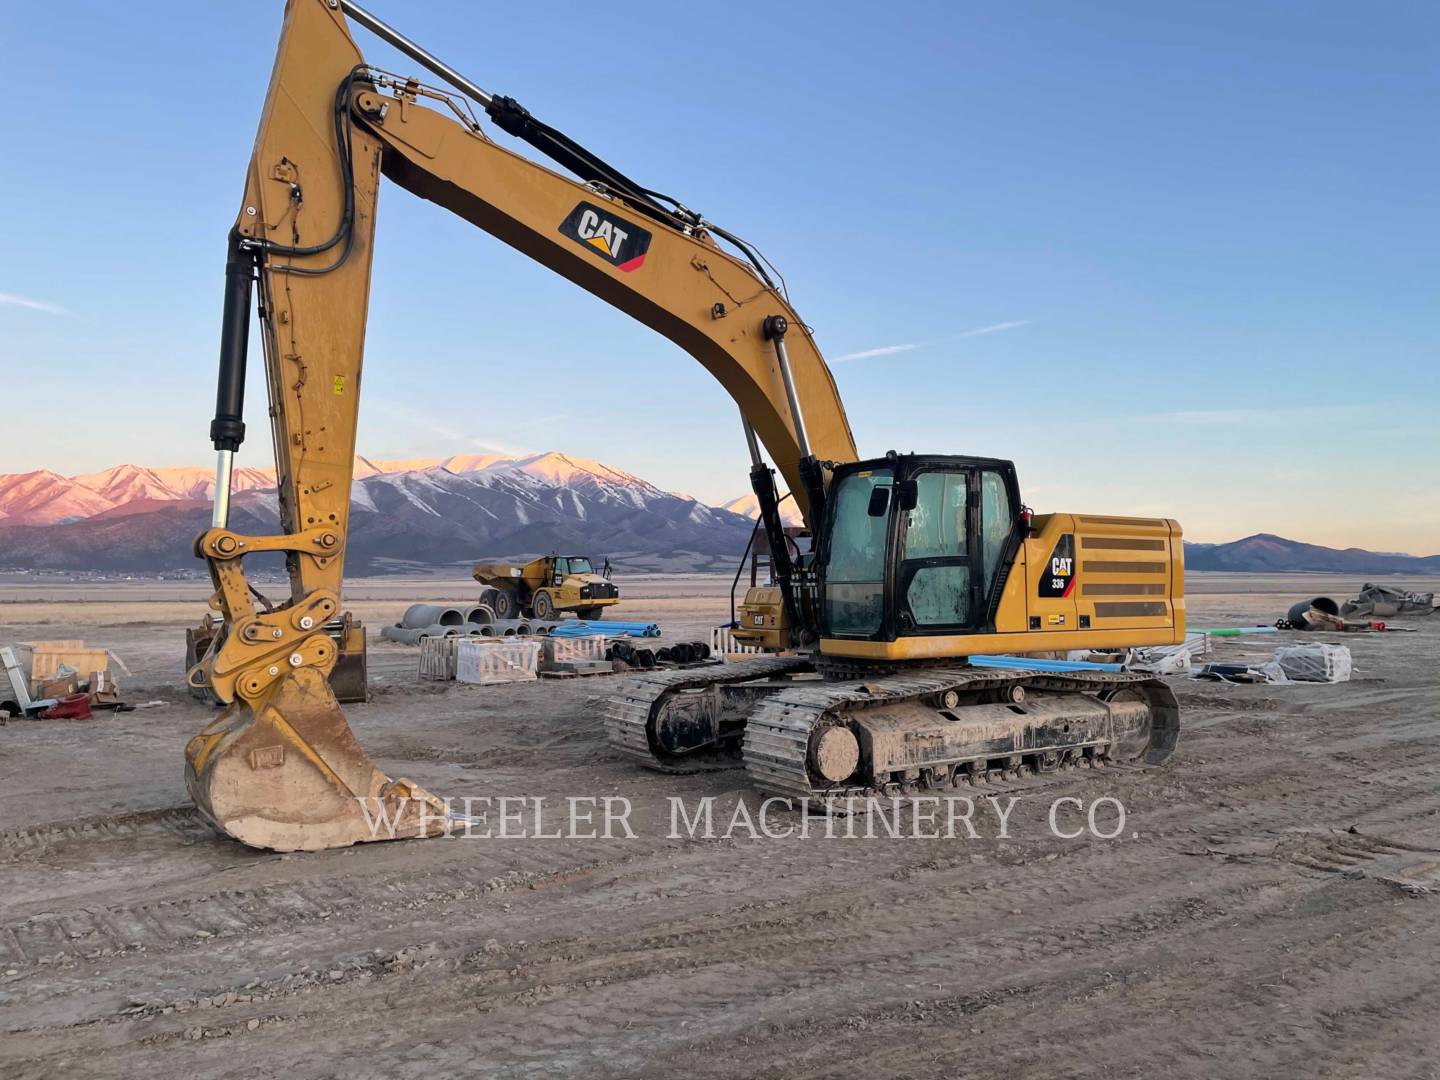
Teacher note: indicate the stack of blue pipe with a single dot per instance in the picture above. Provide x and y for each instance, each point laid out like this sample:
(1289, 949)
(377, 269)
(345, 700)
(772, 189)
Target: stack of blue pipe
(604, 628)
(1031, 663)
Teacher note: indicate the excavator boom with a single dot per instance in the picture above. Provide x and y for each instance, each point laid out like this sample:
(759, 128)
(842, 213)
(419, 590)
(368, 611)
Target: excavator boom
(280, 767)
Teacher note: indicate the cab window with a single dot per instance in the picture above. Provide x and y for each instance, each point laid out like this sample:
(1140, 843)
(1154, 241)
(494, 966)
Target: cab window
(939, 595)
(855, 567)
(936, 527)
(997, 518)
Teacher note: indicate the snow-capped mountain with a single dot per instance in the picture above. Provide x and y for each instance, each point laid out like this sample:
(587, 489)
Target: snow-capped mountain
(404, 514)
(749, 506)
(43, 497)
(451, 512)
(125, 483)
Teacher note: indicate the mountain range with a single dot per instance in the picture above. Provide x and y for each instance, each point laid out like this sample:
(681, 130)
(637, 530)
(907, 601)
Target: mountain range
(423, 514)
(1267, 553)
(405, 515)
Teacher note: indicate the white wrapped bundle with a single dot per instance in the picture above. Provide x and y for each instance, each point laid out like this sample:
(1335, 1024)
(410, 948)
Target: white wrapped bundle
(1315, 663)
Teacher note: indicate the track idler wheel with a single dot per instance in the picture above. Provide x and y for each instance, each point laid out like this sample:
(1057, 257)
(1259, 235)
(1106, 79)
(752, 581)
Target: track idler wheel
(286, 773)
(834, 753)
(1151, 743)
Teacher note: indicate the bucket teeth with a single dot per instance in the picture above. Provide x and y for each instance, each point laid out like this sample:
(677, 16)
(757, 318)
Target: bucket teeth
(286, 773)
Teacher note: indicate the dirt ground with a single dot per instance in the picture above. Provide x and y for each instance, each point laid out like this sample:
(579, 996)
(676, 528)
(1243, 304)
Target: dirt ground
(1268, 909)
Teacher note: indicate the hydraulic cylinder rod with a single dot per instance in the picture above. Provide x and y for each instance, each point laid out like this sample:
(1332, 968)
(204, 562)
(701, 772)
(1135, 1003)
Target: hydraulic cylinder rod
(389, 34)
(775, 327)
(227, 430)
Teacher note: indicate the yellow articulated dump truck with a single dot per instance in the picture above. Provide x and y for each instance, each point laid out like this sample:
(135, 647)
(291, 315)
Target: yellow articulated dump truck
(544, 588)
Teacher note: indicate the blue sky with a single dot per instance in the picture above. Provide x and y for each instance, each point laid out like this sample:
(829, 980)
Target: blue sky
(1172, 259)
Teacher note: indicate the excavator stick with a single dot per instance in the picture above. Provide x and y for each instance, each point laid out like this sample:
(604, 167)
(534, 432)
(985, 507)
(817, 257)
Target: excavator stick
(280, 767)
(286, 773)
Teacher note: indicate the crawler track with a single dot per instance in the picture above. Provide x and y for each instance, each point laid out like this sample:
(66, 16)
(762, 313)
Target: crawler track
(628, 714)
(778, 734)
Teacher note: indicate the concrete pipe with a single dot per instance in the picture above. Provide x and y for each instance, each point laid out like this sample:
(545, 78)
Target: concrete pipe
(1299, 614)
(511, 627)
(442, 630)
(422, 616)
(401, 634)
(479, 615)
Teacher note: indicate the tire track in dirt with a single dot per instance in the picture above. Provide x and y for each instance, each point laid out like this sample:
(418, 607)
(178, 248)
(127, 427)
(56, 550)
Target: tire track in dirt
(545, 973)
(155, 926)
(1083, 1033)
(1275, 954)
(671, 973)
(172, 822)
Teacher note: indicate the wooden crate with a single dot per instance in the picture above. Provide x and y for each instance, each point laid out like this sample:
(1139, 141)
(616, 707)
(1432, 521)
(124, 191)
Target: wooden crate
(568, 650)
(482, 661)
(47, 657)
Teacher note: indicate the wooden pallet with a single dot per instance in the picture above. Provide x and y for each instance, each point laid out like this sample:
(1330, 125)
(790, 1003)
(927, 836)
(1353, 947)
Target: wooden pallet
(723, 643)
(575, 668)
(437, 658)
(660, 665)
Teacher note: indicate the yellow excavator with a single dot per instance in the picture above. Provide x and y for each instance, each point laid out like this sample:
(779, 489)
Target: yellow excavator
(917, 561)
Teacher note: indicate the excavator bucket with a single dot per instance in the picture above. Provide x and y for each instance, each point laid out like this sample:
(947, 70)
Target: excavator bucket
(286, 773)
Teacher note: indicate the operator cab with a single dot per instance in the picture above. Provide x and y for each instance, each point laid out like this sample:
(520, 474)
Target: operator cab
(914, 545)
(571, 564)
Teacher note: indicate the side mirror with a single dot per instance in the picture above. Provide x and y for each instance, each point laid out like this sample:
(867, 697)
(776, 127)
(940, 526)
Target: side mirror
(879, 501)
(909, 494)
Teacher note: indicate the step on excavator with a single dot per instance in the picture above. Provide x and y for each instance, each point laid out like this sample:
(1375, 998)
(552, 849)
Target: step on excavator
(916, 561)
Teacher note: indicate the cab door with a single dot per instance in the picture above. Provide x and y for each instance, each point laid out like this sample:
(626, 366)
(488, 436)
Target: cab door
(954, 547)
(938, 578)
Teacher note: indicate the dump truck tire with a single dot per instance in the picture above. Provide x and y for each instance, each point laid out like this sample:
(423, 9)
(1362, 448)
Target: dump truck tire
(542, 605)
(503, 604)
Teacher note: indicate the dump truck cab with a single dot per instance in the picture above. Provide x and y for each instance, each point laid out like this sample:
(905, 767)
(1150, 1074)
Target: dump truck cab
(546, 587)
